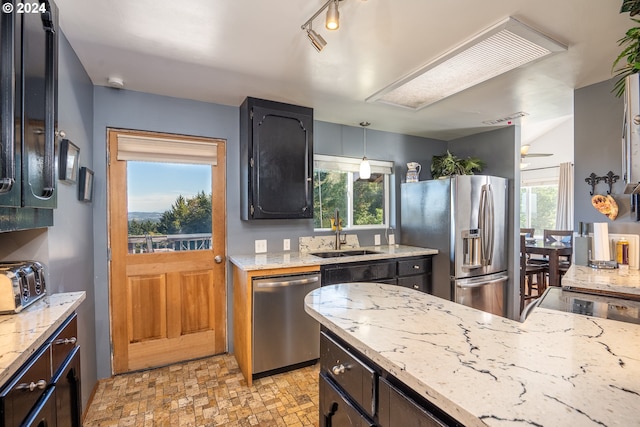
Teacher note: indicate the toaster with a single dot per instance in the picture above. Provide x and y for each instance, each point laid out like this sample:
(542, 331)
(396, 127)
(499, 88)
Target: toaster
(21, 284)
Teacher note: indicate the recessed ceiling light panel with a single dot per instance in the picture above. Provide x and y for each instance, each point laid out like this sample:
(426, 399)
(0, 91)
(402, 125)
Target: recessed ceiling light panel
(501, 48)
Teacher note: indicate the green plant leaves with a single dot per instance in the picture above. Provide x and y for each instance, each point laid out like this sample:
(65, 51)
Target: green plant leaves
(447, 164)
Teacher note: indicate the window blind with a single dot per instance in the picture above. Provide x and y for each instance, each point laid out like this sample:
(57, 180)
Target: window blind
(166, 150)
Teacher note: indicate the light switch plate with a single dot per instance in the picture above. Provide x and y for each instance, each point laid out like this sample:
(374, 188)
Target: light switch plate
(376, 240)
(286, 244)
(261, 246)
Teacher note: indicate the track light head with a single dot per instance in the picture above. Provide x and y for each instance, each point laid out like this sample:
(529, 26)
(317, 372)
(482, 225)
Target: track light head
(333, 16)
(316, 39)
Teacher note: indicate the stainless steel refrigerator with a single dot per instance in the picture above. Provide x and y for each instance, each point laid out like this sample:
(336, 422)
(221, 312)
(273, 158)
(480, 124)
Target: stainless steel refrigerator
(465, 218)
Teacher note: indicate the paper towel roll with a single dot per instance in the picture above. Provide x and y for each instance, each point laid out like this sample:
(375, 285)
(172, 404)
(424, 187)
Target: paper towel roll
(601, 248)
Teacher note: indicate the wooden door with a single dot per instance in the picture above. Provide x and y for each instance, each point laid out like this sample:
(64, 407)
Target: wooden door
(167, 304)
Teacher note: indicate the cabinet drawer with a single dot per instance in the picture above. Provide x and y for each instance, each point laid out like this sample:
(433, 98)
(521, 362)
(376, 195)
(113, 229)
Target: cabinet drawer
(364, 272)
(398, 410)
(63, 342)
(356, 378)
(414, 266)
(336, 409)
(414, 282)
(21, 394)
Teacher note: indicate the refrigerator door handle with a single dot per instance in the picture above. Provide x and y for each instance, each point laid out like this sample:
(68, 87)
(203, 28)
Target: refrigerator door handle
(486, 223)
(479, 283)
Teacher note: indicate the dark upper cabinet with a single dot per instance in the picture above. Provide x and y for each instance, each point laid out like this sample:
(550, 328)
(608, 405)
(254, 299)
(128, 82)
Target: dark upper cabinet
(28, 116)
(276, 160)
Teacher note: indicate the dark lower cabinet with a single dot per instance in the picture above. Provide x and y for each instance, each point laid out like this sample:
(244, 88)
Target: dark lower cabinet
(44, 414)
(354, 391)
(411, 272)
(45, 392)
(335, 408)
(68, 396)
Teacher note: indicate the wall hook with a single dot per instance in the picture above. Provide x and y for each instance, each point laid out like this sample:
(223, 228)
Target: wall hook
(610, 178)
(592, 180)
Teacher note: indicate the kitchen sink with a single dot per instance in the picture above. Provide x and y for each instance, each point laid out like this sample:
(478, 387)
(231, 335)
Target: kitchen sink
(352, 252)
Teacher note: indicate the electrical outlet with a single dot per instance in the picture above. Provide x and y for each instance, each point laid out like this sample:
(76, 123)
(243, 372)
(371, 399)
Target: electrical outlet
(392, 239)
(286, 244)
(261, 246)
(376, 240)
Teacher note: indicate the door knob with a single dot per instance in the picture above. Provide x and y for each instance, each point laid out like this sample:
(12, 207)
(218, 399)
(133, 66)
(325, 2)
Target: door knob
(217, 259)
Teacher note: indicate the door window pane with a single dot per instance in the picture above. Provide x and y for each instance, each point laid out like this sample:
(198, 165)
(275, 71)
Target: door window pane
(169, 207)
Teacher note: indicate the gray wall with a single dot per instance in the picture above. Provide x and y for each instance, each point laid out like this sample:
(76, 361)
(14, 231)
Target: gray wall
(500, 150)
(598, 149)
(67, 247)
(141, 111)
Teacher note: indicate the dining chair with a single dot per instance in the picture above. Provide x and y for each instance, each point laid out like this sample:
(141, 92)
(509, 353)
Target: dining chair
(527, 273)
(562, 236)
(528, 232)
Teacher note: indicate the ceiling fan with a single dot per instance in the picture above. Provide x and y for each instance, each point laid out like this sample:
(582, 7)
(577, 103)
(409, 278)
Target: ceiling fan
(524, 152)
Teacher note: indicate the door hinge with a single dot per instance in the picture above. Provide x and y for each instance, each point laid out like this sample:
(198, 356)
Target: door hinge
(108, 254)
(251, 162)
(251, 114)
(251, 210)
(108, 158)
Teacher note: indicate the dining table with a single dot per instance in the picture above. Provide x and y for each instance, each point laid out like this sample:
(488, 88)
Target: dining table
(553, 251)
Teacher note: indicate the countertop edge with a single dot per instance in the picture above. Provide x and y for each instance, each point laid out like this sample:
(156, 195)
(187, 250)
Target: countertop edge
(252, 262)
(59, 306)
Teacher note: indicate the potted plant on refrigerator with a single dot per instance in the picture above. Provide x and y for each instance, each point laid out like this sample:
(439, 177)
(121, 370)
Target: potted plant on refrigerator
(449, 164)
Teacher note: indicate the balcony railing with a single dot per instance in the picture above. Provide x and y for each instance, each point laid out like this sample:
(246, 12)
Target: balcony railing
(142, 244)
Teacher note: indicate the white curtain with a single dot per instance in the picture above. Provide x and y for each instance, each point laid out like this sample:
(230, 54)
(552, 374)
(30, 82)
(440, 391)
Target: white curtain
(564, 214)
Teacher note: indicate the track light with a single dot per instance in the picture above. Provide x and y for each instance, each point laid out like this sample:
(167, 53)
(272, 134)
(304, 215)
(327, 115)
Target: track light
(332, 23)
(316, 39)
(333, 16)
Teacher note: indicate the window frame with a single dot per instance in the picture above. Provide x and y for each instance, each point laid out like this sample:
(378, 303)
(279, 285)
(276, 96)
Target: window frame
(350, 166)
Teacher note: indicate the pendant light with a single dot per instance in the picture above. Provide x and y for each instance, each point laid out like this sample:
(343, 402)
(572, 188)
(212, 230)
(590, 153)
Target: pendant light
(333, 16)
(365, 167)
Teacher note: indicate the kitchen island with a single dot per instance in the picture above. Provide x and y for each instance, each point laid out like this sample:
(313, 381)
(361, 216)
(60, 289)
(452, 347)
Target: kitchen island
(556, 369)
(621, 282)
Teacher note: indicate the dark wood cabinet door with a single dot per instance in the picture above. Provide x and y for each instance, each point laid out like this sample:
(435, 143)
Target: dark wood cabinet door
(277, 160)
(39, 98)
(68, 397)
(10, 30)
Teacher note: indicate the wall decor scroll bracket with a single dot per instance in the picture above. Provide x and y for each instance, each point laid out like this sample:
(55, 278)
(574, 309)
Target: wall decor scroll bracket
(610, 179)
(592, 180)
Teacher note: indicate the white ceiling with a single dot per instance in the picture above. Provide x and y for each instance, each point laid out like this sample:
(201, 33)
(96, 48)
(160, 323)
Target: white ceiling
(222, 51)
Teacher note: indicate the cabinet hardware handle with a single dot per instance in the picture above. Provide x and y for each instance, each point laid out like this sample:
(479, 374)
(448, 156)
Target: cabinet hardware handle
(416, 287)
(338, 369)
(416, 267)
(71, 340)
(41, 384)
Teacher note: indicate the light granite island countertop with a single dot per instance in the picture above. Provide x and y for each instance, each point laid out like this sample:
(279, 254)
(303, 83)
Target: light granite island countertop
(555, 369)
(616, 281)
(301, 259)
(23, 333)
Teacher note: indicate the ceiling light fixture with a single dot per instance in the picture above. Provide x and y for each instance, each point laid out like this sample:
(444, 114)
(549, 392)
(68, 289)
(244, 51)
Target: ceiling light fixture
(333, 16)
(332, 23)
(316, 39)
(501, 48)
(365, 166)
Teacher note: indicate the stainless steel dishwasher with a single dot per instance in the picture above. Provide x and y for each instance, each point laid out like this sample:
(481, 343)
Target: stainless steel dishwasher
(284, 335)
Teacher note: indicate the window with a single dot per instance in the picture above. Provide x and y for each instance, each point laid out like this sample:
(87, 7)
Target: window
(337, 185)
(538, 206)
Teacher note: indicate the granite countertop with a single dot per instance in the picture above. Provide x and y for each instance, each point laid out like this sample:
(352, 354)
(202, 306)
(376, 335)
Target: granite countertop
(617, 280)
(300, 259)
(556, 369)
(22, 334)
